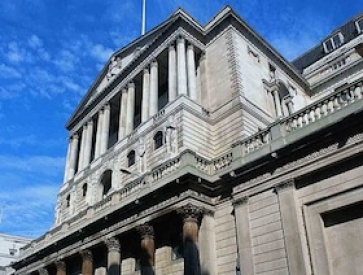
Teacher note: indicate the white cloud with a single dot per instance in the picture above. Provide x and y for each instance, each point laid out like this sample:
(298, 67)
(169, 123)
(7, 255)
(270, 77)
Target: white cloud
(9, 72)
(101, 53)
(35, 42)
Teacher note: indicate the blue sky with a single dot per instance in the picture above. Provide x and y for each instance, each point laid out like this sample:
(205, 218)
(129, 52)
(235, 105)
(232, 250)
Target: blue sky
(50, 53)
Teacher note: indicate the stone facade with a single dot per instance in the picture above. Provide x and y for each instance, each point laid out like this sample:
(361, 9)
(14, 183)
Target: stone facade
(200, 150)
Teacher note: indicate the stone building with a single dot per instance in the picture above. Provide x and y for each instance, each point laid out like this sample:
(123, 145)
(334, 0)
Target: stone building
(9, 251)
(201, 150)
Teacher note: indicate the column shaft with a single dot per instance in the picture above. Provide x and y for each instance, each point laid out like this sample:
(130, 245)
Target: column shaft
(81, 152)
(182, 77)
(291, 227)
(87, 262)
(67, 164)
(207, 245)
(105, 129)
(145, 96)
(275, 94)
(113, 257)
(153, 107)
(192, 81)
(88, 144)
(73, 157)
(61, 268)
(191, 215)
(123, 114)
(172, 73)
(99, 134)
(146, 232)
(130, 108)
(244, 245)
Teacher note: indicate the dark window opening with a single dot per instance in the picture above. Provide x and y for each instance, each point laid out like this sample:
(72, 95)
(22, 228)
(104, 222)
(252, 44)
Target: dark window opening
(84, 190)
(68, 201)
(158, 140)
(131, 158)
(106, 182)
(343, 215)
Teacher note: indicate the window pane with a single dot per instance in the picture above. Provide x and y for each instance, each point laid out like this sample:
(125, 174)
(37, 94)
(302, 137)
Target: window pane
(329, 45)
(337, 41)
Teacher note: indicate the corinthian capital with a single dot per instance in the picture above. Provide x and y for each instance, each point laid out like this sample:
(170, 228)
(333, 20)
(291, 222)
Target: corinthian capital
(113, 244)
(86, 255)
(61, 265)
(190, 212)
(145, 231)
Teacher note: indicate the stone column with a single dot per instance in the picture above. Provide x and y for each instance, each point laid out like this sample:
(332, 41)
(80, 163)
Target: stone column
(113, 256)
(182, 77)
(43, 271)
(244, 245)
(105, 128)
(130, 108)
(123, 114)
(87, 262)
(88, 144)
(154, 88)
(207, 244)
(191, 215)
(192, 80)
(172, 73)
(146, 232)
(73, 156)
(145, 96)
(66, 166)
(291, 227)
(99, 134)
(61, 268)
(203, 79)
(276, 96)
(81, 151)
(289, 104)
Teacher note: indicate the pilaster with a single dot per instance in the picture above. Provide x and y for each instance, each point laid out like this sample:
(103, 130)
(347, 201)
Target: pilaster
(130, 108)
(154, 85)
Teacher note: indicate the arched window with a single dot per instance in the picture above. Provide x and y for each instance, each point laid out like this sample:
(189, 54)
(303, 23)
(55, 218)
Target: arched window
(131, 158)
(158, 140)
(106, 182)
(84, 190)
(68, 201)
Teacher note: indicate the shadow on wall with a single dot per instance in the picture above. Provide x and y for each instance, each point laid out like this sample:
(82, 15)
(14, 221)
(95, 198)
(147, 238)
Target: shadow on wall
(191, 258)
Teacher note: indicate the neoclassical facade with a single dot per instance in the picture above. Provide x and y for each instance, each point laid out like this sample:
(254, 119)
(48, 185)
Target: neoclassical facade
(201, 150)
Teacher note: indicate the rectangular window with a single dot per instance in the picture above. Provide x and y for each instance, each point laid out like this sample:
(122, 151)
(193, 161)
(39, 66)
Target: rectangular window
(359, 25)
(333, 42)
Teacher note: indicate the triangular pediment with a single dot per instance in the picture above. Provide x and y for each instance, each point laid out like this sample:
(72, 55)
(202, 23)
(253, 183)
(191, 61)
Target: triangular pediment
(125, 57)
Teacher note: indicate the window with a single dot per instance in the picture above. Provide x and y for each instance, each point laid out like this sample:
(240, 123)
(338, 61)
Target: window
(106, 182)
(84, 190)
(359, 25)
(68, 201)
(158, 140)
(131, 158)
(333, 42)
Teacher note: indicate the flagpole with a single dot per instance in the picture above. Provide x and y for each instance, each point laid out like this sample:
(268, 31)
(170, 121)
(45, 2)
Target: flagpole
(143, 17)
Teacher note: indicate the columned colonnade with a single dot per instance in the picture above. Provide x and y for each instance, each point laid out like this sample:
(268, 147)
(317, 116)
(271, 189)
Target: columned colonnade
(191, 216)
(182, 80)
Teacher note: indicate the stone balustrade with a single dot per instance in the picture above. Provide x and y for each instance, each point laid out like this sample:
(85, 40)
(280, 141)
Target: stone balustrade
(324, 107)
